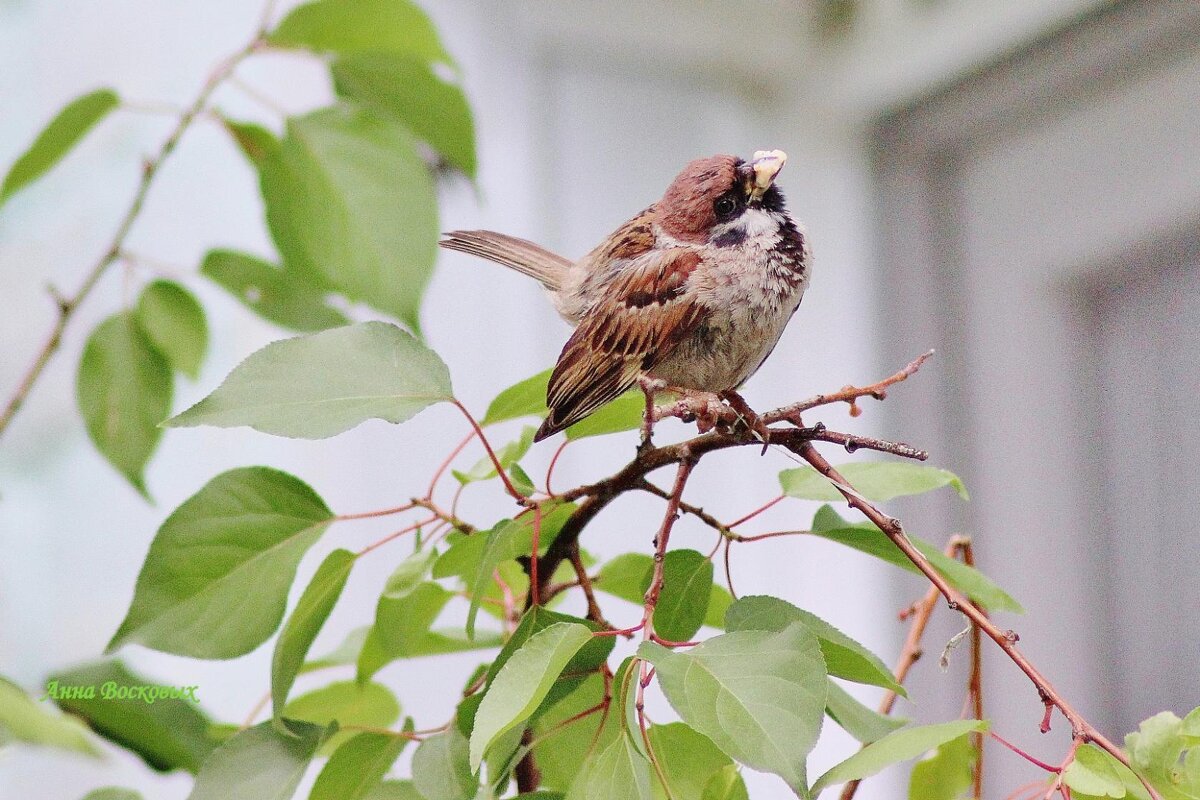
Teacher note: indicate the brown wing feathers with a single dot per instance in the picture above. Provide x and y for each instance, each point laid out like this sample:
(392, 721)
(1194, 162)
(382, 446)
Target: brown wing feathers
(621, 336)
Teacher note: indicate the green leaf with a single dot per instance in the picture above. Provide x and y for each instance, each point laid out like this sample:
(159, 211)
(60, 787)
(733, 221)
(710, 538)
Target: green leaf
(23, 720)
(687, 586)
(1155, 749)
(561, 746)
(275, 294)
(407, 90)
(352, 26)
(875, 480)
(864, 724)
(216, 579)
(255, 141)
(844, 657)
(441, 767)
(726, 784)
(403, 620)
(947, 774)
(895, 747)
(524, 399)
(688, 760)
(628, 577)
(174, 321)
(523, 682)
(348, 703)
(345, 653)
(357, 767)
(57, 138)
(619, 770)
(168, 734)
(112, 793)
(394, 790)
(587, 660)
(259, 763)
(1093, 772)
(866, 538)
(623, 414)
(305, 623)
(316, 386)
(521, 481)
(350, 204)
(507, 455)
(124, 390)
(759, 696)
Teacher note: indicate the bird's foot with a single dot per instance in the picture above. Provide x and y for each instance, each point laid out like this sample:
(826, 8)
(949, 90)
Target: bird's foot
(650, 387)
(748, 417)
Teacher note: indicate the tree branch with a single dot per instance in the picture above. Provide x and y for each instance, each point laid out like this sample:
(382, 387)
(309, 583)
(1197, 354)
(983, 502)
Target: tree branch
(67, 306)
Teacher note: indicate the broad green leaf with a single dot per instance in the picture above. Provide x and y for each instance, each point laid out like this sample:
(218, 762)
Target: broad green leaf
(394, 790)
(316, 386)
(350, 204)
(345, 653)
(687, 587)
(1093, 773)
(412, 93)
(864, 724)
(346, 703)
(352, 26)
(168, 734)
(523, 682)
(945, 775)
(726, 784)
(560, 751)
(900, 746)
(875, 480)
(628, 576)
(124, 391)
(255, 141)
(587, 660)
(623, 414)
(357, 767)
(524, 399)
(216, 579)
(1155, 749)
(441, 767)
(259, 763)
(844, 657)
(57, 138)
(866, 538)
(174, 321)
(619, 770)
(507, 455)
(23, 720)
(759, 696)
(305, 623)
(403, 622)
(688, 760)
(112, 793)
(275, 294)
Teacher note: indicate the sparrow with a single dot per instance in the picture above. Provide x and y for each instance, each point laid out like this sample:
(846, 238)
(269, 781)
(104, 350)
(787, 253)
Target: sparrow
(692, 294)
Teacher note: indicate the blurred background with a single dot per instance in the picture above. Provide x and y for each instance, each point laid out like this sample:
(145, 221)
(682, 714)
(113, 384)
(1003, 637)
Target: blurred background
(1014, 184)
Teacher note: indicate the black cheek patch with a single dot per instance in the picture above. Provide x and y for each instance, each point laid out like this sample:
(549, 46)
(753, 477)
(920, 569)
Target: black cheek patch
(731, 238)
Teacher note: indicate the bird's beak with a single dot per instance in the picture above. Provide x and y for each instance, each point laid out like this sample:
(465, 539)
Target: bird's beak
(765, 165)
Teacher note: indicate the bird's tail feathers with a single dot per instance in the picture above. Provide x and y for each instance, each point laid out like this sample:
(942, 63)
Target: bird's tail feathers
(523, 256)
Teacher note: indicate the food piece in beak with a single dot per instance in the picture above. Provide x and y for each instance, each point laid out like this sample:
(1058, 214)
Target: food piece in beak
(766, 164)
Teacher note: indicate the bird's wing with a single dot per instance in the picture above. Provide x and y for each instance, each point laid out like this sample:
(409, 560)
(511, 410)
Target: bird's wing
(638, 320)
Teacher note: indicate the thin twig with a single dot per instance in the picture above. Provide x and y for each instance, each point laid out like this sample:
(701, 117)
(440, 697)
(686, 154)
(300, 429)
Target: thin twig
(67, 306)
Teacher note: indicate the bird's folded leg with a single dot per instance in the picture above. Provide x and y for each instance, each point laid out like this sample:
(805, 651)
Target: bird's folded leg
(754, 423)
(649, 387)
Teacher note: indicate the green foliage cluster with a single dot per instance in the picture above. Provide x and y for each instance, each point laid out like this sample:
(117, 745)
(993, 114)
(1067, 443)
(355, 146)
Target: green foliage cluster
(350, 205)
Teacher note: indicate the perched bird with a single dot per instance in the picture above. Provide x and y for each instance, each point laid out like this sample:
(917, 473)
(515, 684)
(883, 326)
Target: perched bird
(692, 294)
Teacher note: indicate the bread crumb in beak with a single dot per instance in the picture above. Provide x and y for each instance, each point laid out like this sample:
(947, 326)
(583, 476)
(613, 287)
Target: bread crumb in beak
(766, 165)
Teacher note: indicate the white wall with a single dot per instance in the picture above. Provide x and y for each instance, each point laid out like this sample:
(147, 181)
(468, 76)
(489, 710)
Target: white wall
(579, 127)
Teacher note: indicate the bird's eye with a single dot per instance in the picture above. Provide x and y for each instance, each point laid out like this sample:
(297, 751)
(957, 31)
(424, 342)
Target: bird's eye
(725, 206)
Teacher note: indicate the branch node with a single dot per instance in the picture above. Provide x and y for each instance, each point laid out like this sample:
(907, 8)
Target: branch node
(1011, 636)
